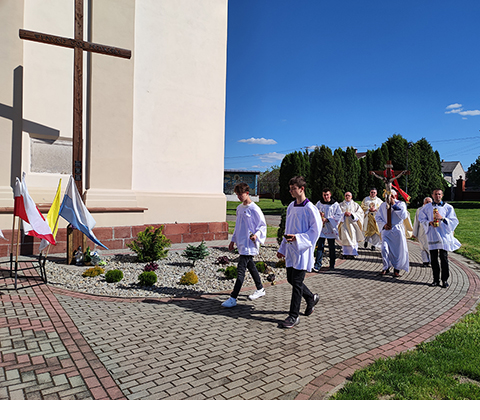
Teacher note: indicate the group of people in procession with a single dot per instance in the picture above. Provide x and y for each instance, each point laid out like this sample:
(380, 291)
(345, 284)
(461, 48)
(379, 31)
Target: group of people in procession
(380, 225)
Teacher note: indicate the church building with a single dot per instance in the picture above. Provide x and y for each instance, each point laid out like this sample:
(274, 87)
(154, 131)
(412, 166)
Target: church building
(153, 125)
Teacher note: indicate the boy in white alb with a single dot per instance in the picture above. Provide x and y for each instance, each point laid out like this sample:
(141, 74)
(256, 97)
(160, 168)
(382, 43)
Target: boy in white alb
(302, 230)
(250, 231)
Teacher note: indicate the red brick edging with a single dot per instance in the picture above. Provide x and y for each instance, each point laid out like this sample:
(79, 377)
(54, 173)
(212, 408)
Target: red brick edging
(83, 361)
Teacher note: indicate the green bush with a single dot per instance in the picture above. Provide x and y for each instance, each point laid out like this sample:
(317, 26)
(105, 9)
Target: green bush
(113, 276)
(93, 272)
(261, 266)
(147, 278)
(281, 228)
(189, 278)
(231, 272)
(150, 244)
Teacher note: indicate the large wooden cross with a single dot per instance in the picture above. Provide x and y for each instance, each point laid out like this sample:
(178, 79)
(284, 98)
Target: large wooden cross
(388, 176)
(79, 46)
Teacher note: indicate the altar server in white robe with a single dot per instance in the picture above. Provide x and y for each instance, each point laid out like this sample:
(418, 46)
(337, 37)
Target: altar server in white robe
(302, 230)
(439, 221)
(350, 228)
(370, 206)
(419, 233)
(394, 242)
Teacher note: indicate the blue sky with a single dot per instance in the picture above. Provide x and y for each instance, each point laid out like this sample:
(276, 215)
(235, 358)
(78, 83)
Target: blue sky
(345, 73)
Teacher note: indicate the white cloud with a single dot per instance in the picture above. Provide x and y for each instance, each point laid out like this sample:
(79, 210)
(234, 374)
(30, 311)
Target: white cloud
(454, 106)
(454, 111)
(470, 113)
(457, 109)
(271, 157)
(253, 140)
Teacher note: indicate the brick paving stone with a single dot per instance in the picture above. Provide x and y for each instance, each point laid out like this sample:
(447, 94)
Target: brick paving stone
(195, 349)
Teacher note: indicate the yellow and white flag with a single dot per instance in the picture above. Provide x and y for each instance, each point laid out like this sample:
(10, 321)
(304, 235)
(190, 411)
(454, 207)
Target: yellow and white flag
(52, 216)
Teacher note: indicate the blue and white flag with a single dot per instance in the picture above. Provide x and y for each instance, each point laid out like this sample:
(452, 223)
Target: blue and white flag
(74, 212)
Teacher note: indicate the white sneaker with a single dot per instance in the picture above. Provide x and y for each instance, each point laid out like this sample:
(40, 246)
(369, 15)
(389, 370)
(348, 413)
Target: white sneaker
(230, 303)
(256, 294)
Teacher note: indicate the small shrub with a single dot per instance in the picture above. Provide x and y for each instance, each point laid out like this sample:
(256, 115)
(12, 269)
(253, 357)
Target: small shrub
(150, 244)
(261, 266)
(223, 260)
(87, 257)
(93, 272)
(280, 264)
(113, 276)
(195, 253)
(231, 272)
(189, 278)
(152, 266)
(147, 278)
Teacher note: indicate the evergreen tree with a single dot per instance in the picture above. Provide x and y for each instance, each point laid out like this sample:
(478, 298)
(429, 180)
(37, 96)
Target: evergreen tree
(352, 172)
(429, 171)
(293, 164)
(363, 181)
(338, 189)
(322, 172)
(473, 172)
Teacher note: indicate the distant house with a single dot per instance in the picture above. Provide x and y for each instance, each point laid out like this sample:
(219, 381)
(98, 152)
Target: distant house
(232, 177)
(452, 171)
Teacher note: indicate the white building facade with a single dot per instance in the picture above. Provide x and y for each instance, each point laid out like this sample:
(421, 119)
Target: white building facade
(153, 126)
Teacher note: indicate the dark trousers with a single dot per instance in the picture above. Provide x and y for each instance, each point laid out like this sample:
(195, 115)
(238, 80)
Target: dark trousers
(321, 248)
(443, 263)
(299, 290)
(246, 262)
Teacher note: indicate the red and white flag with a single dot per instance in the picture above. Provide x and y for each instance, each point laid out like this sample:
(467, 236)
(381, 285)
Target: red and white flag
(1, 235)
(34, 224)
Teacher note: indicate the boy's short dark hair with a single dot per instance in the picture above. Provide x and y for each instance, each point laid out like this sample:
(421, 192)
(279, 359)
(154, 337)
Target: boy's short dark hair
(299, 181)
(326, 190)
(241, 188)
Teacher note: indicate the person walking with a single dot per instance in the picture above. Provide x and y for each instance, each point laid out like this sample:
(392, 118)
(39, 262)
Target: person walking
(439, 221)
(350, 228)
(419, 233)
(371, 232)
(302, 230)
(250, 231)
(394, 242)
(331, 214)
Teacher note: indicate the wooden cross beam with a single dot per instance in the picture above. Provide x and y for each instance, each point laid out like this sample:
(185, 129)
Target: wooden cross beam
(79, 46)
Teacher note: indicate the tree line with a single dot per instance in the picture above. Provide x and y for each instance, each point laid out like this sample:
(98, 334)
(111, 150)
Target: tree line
(342, 171)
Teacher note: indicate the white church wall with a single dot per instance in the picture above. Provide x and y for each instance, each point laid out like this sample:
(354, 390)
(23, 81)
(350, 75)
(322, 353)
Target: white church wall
(157, 119)
(180, 73)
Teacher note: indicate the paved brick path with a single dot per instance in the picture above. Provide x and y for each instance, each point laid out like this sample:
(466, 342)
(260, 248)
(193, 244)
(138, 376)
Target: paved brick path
(57, 344)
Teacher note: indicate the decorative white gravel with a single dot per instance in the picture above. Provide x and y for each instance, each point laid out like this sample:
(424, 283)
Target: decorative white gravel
(169, 272)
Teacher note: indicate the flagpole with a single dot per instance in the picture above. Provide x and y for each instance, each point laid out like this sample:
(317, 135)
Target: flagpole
(49, 244)
(11, 248)
(16, 258)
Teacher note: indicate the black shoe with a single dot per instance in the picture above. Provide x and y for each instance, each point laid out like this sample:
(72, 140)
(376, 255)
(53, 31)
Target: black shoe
(373, 248)
(332, 267)
(434, 284)
(290, 322)
(444, 284)
(311, 305)
(365, 244)
(384, 272)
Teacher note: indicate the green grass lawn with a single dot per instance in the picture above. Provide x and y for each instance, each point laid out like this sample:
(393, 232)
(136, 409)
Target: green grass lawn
(268, 206)
(445, 368)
